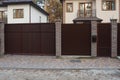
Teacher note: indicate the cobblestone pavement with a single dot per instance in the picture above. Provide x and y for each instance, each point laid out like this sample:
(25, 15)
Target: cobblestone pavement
(38, 62)
(14, 67)
(14, 74)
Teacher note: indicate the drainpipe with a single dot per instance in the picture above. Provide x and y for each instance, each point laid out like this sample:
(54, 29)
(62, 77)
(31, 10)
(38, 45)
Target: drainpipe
(30, 14)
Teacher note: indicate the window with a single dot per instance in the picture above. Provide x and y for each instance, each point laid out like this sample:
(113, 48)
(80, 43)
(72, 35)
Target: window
(69, 7)
(85, 9)
(3, 16)
(108, 5)
(18, 13)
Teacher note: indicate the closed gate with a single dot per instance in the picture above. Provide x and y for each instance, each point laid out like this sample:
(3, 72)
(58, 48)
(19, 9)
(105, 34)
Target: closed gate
(30, 39)
(76, 39)
(118, 40)
(104, 40)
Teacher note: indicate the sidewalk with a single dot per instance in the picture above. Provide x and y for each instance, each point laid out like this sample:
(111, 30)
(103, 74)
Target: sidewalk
(44, 62)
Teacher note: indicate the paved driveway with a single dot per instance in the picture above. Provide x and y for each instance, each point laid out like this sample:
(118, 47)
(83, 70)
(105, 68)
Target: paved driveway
(13, 67)
(59, 74)
(38, 62)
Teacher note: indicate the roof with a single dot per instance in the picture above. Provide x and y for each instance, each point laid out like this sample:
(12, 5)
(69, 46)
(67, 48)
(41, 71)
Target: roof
(85, 19)
(11, 2)
(4, 2)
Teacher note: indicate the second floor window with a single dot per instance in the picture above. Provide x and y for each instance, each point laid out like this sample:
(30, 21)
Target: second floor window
(85, 9)
(18, 13)
(69, 7)
(108, 5)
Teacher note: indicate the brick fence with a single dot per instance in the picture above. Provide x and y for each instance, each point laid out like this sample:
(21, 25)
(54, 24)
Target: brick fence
(93, 33)
(58, 41)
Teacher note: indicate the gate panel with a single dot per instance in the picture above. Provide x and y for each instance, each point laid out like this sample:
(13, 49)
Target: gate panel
(104, 40)
(118, 49)
(14, 43)
(13, 39)
(47, 39)
(30, 39)
(76, 39)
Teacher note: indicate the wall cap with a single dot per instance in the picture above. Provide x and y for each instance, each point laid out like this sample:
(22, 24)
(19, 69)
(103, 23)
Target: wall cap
(2, 22)
(58, 20)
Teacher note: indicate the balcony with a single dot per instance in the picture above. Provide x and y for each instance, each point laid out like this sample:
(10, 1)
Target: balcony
(86, 13)
(86, 16)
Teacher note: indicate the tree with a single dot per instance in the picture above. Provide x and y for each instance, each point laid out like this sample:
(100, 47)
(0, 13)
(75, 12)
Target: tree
(54, 8)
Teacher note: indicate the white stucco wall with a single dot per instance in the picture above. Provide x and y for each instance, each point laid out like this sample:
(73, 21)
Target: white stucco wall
(105, 15)
(3, 8)
(35, 16)
(18, 20)
(69, 16)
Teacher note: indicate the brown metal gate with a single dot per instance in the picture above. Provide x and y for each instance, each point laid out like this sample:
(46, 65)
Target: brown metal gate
(30, 39)
(104, 40)
(76, 39)
(118, 49)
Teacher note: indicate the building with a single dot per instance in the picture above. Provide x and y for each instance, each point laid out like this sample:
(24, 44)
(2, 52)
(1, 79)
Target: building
(81, 10)
(22, 11)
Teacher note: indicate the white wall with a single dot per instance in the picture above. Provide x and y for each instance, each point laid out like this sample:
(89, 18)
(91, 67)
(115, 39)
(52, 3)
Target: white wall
(107, 15)
(3, 8)
(18, 20)
(35, 16)
(69, 16)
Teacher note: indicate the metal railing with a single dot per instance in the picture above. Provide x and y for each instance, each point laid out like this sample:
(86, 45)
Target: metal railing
(90, 13)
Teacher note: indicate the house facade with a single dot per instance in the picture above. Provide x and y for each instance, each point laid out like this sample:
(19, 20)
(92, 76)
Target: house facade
(21, 11)
(102, 9)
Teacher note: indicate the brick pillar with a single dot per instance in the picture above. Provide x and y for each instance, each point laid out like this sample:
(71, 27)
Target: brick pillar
(93, 38)
(114, 38)
(2, 51)
(58, 38)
